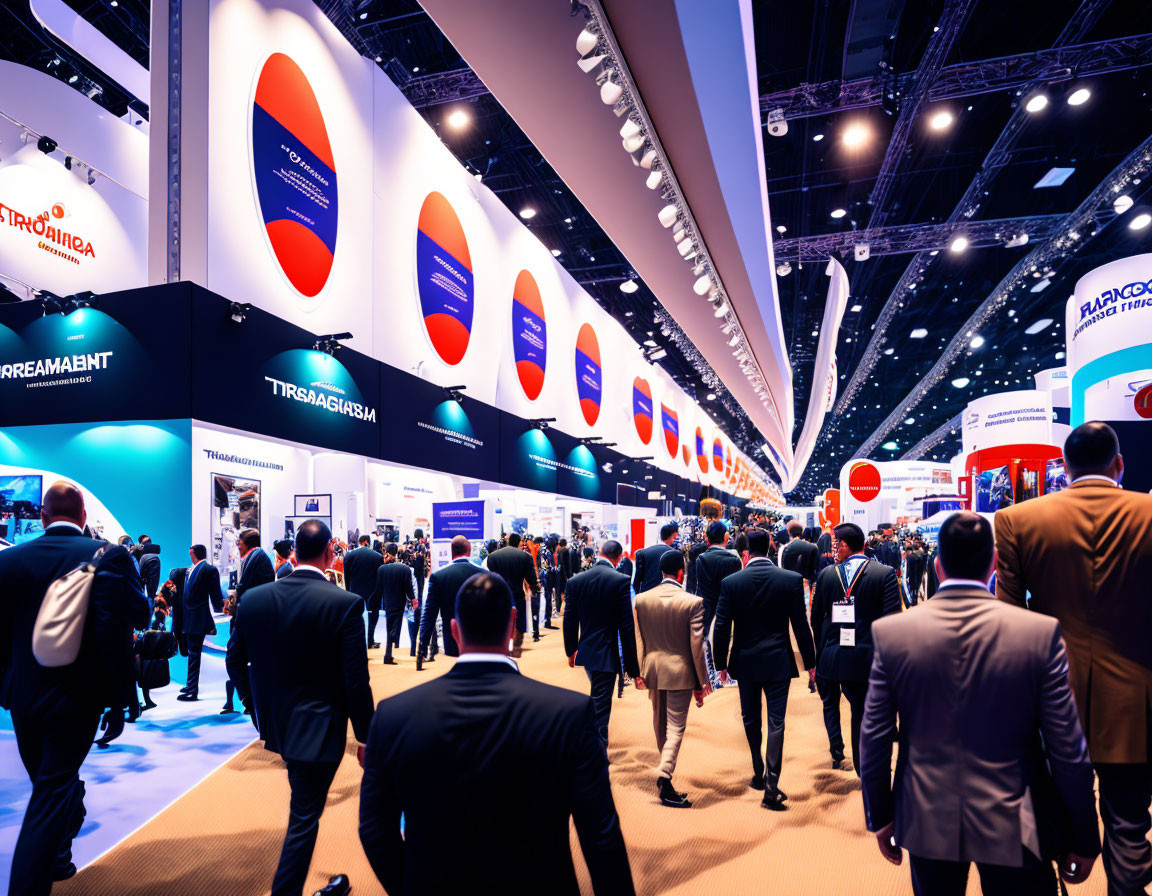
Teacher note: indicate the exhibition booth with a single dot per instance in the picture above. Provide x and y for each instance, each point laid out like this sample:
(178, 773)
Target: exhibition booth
(875, 492)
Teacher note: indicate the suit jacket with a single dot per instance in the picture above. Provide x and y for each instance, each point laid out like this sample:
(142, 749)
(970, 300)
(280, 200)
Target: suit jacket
(299, 660)
(102, 674)
(150, 570)
(473, 731)
(760, 601)
(515, 566)
(284, 569)
(712, 568)
(876, 593)
(201, 596)
(598, 620)
(395, 587)
(256, 570)
(1085, 555)
(648, 566)
(178, 576)
(670, 639)
(888, 553)
(801, 556)
(564, 564)
(973, 683)
(360, 566)
(625, 567)
(443, 586)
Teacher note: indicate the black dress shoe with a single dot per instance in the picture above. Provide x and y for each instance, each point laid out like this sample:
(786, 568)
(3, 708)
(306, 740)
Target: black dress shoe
(389, 662)
(671, 797)
(188, 696)
(337, 886)
(430, 659)
(185, 689)
(757, 782)
(837, 763)
(374, 645)
(536, 636)
(227, 711)
(63, 872)
(549, 625)
(147, 705)
(772, 802)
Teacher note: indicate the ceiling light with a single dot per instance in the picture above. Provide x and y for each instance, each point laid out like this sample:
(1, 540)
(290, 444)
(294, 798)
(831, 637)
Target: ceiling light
(610, 93)
(658, 354)
(458, 119)
(734, 340)
(889, 351)
(1141, 221)
(654, 180)
(555, 253)
(890, 446)
(721, 310)
(1054, 177)
(631, 144)
(856, 308)
(1041, 286)
(918, 333)
(1079, 96)
(909, 421)
(702, 285)
(629, 286)
(1040, 326)
(711, 396)
(1036, 103)
(630, 128)
(667, 215)
(816, 138)
(961, 382)
(784, 269)
(958, 244)
(838, 213)
(527, 212)
(647, 159)
(941, 121)
(586, 42)
(684, 247)
(978, 341)
(590, 62)
(1121, 204)
(855, 135)
(1059, 356)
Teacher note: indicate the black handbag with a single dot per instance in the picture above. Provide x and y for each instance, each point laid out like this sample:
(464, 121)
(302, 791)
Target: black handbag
(152, 674)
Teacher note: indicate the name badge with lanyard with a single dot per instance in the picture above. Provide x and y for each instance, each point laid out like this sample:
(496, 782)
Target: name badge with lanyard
(844, 612)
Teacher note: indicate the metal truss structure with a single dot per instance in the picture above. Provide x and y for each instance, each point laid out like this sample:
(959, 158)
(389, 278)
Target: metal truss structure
(933, 439)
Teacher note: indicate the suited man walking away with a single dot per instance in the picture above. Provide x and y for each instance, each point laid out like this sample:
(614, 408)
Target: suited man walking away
(799, 555)
(760, 601)
(360, 566)
(598, 624)
(299, 660)
(149, 566)
(670, 637)
(395, 589)
(255, 570)
(648, 559)
(443, 586)
(969, 685)
(847, 599)
(56, 710)
(517, 569)
(202, 596)
(1085, 556)
(475, 732)
(713, 566)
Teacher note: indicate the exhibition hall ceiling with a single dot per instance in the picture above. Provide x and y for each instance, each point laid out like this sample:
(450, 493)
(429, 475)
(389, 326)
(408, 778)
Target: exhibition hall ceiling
(908, 125)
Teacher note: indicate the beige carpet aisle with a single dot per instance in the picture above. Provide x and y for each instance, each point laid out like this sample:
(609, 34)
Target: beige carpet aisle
(223, 837)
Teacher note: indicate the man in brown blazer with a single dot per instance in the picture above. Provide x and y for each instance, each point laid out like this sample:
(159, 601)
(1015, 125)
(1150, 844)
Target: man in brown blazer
(1084, 555)
(670, 641)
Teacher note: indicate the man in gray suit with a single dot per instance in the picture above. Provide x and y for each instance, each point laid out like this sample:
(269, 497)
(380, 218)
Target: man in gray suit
(975, 683)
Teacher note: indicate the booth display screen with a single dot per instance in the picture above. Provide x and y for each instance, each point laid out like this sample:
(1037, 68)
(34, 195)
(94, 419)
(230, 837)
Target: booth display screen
(994, 490)
(20, 498)
(1055, 477)
(235, 506)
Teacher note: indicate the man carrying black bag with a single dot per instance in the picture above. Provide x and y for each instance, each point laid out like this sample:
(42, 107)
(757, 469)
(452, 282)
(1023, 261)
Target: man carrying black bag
(56, 710)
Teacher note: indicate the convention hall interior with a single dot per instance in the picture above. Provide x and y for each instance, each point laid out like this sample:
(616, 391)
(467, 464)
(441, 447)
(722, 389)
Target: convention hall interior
(575, 446)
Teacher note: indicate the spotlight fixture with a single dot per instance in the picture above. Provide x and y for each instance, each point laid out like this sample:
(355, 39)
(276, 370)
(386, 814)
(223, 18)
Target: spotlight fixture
(46, 145)
(721, 309)
(610, 92)
(455, 393)
(667, 215)
(458, 119)
(527, 213)
(855, 135)
(1121, 204)
(629, 286)
(1036, 103)
(783, 269)
(239, 310)
(958, 244)
(941, 120)
(1079, 96)
(1141, 221)
(702, 285)
(590, 62)
(556, 253)
(586, 42)
(976, 342)
(541, 423)
(330, 345)
(837, 213)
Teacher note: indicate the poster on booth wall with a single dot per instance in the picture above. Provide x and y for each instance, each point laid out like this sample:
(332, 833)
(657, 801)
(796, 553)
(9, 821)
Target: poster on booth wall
(452, 518)
(20, 499)
(235, 507)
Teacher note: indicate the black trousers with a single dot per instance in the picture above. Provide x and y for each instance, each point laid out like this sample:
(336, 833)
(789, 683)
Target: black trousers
(535, 604)
(934, 877)
(419, 616)
(373, 621)
(776, 697)
(392, 629)
(195, 650)
(52, 751)
(309, 782)
(1125, 794)
(829, 692)
(549, 589)
(855, 692)
(521, 613)
(602, 683)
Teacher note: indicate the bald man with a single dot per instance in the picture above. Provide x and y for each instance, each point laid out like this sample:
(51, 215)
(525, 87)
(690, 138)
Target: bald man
(443, 586)
(56, 711)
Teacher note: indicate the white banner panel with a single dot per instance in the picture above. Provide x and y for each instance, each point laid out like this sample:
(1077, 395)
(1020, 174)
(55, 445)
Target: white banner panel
(1022, 417)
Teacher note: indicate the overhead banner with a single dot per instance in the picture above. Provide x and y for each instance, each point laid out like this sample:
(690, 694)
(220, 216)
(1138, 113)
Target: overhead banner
(1021, 417)
(701, 457)
(642, 409)
(444, 279)
(589, 376)
(670, 423)
(529, 335)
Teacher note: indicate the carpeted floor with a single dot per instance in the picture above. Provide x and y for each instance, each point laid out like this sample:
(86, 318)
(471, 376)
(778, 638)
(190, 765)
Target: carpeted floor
(223, 837)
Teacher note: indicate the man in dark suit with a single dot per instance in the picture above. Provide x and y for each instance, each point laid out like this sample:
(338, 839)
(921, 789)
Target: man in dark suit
(179, 577)
(974, 684)
(760, 601)
(713, 566)
(625, 567)
(395, 589)
(847, 599)
(888, 551)
(150, 567)
(1085, 556)
(598, 624)
(284, 565)
(255, 570)
(800, 555)
(360, 566)
(443, 586)
(563, 571)
(697, 548)
(202, 596)
(648, 559)
(56, 710)
(299, 661)
(477, 731)
(517, 569)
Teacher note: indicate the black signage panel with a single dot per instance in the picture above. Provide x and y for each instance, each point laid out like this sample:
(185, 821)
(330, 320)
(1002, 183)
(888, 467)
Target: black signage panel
(266, 376)
(124, 357)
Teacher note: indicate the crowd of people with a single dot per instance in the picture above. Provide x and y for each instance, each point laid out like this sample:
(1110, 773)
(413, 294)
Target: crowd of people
(1005, 714)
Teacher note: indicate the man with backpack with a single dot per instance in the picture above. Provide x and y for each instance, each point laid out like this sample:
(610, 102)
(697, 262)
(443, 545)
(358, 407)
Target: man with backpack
(56, 704)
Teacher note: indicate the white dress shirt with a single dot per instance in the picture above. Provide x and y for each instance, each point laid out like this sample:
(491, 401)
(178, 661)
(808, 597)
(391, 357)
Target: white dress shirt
(487, 658)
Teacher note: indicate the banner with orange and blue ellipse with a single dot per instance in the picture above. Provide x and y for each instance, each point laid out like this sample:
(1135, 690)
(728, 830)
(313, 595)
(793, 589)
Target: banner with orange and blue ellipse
(589, 374)
(642, 409)
(444, 279)
(717, 455)
(670, 422)
(529, 335)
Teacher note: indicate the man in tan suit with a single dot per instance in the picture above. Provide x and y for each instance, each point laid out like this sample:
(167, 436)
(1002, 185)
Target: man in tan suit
(1084, 555)
(670, 639)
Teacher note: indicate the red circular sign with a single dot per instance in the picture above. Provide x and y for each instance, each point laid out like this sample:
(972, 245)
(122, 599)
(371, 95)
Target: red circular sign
(1143, 402)
(863, 481)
